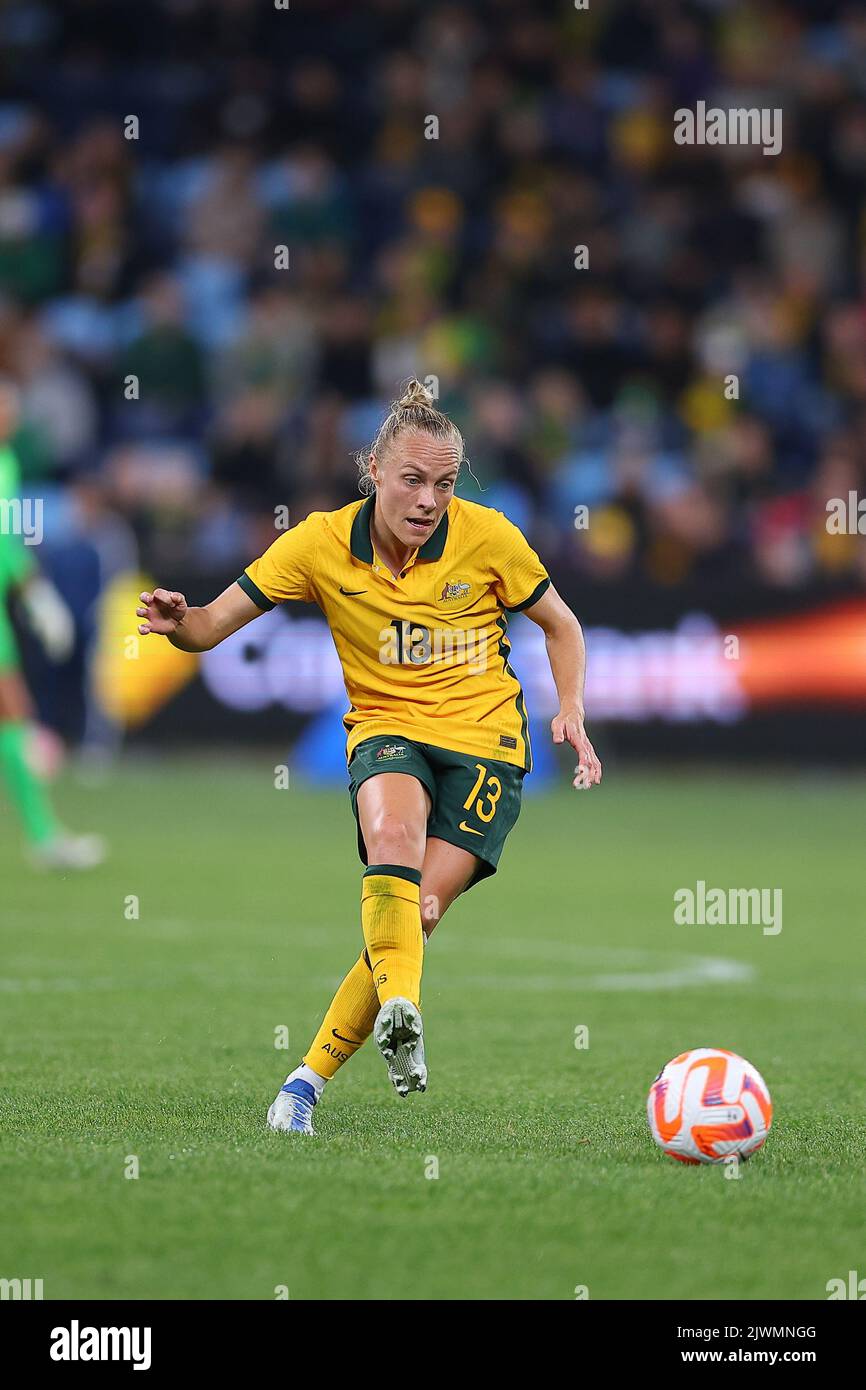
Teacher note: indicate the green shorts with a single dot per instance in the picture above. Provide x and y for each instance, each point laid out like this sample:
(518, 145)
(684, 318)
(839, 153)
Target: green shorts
(476, 801)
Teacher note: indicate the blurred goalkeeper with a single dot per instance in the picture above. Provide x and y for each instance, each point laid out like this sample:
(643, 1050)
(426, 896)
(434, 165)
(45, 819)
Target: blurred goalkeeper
(50, 845)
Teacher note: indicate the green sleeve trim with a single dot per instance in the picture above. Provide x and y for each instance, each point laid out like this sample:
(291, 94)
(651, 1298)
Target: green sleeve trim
(395, 871)
(536, 594)
(254, 592)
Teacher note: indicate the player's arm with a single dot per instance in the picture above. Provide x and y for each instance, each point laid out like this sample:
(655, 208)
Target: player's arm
(566, 651)
(285, 571)
(47, 613)
(167, 613)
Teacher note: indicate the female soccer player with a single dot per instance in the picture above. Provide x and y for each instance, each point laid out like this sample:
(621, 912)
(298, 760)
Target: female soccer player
(415, 584)
(50, 845)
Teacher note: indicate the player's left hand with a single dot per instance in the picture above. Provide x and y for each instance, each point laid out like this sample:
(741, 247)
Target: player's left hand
(568, 727)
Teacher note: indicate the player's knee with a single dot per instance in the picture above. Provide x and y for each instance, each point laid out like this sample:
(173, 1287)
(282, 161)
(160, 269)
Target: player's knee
(394, 841)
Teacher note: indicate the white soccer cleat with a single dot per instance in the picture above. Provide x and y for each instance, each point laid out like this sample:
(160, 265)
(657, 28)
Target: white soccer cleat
(292, 1111)
(67, 851)
(399, 1035)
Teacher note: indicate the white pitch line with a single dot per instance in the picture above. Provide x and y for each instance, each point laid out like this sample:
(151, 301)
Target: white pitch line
(628, 968)
(661, 969)
(708, 972)
(60, 985)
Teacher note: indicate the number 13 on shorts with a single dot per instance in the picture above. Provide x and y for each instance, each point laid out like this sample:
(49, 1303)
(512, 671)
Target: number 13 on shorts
(485, 805)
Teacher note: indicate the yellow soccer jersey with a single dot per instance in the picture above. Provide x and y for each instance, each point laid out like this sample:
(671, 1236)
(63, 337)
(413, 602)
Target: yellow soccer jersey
(425, 653)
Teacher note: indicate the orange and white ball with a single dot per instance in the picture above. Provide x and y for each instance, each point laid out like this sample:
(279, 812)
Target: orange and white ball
(708, 1104)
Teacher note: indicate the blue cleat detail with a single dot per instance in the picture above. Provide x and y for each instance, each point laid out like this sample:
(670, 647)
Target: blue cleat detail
(292, 1111)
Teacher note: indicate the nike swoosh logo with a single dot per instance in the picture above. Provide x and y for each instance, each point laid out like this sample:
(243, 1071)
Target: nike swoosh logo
(352, 593)
(464, 826)
(353, 1042)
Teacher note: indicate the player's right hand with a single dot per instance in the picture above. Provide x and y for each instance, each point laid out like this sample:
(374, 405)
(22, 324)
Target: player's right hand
(164, 611)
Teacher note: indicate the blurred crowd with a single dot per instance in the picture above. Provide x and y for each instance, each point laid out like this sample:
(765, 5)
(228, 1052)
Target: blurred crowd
(430, 171)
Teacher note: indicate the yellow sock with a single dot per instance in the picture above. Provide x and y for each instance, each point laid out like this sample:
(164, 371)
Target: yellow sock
(348, 1022)
(391, 918)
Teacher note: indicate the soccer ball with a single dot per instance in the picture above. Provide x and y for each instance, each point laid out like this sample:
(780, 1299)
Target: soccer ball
(708, 1104)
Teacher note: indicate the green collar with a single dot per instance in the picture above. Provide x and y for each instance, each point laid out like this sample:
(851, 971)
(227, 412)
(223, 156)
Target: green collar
(362, 546)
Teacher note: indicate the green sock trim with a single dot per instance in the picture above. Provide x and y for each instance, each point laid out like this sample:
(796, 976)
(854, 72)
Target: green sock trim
(395, 871)
(26, 788)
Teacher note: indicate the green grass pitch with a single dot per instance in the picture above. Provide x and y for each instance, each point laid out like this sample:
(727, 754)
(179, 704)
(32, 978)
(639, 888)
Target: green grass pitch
(154, 1037)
